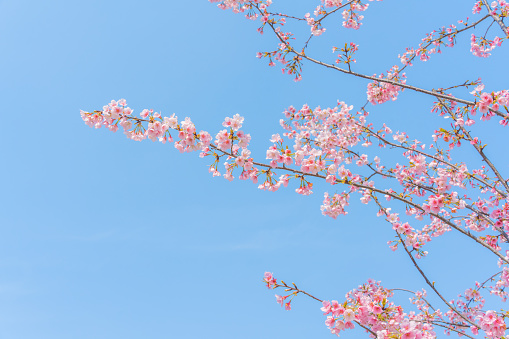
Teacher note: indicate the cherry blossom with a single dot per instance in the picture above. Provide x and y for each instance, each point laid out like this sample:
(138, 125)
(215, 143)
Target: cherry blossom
(339, 152)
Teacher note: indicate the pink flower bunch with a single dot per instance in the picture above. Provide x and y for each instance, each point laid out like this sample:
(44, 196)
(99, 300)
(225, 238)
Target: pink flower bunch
(491, 101)
(305, 188)
(225, 138)
(501, 99)
(187, 142)
(500, 215)
(492, 324)
(500, 8)
(316, 28)
(324, 141)
(481, 47)
(379, 92)
(431, 44)
(351, 19)
(107, 116)
(407, 57)
(269, 279)
(477, 7)
(281, 301)
(335, 205)
(283, 156)
(435, 203)
(332, 3)
(94, 119)
(445, 36)
(340, 318)
(369, 306)
(312, 165)
(234, 123)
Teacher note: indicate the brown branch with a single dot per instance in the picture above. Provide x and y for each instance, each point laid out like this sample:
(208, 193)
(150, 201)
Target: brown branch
(295, 289)
(496, 18)
(372, 78)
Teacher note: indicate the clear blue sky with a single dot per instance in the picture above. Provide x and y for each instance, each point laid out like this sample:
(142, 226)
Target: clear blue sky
(103, 237)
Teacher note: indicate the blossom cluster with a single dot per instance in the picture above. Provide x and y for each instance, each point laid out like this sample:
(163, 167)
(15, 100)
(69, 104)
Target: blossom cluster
(500, 7)
(489, 102)
(431, 44)
(370, 307)
(492, 324)
(481, 47)
(380, 92)
(323, 146)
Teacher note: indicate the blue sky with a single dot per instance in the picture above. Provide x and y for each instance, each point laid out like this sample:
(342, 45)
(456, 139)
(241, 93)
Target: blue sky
(103, 237)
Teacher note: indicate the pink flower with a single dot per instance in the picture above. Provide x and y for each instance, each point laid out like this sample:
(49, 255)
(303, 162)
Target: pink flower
(486, 98)
(326, 307)
(329, 322)
(269, 280)
(336, 308)
(144, 114)
(280, 299)
(349, 325)
(377, 309)
(349, 315)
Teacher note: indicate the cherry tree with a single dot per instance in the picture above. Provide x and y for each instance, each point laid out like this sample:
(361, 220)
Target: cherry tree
(431, 193)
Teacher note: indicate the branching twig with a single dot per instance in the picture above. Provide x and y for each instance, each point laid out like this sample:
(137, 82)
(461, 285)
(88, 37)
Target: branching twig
(496, 18)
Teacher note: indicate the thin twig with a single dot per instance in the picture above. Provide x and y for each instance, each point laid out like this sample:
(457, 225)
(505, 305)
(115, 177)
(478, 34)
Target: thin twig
(432, 285)
(446, 35)
(295, 289)
(372, 78)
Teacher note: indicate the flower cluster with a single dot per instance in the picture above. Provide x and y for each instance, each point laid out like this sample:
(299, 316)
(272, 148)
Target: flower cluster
(335, 205)
(269, 279)
(324, 142)
(380, 92)
(490, 101)
(492, 324)
(369, 306)
(481, 47)
(431, 44)
(352, 19)
(316, 28)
